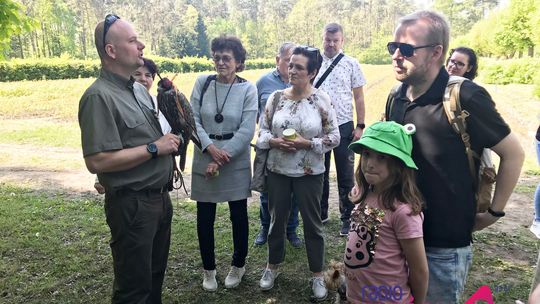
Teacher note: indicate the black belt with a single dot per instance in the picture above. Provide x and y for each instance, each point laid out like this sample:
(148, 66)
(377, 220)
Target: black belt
(124, 191)
(221, 136)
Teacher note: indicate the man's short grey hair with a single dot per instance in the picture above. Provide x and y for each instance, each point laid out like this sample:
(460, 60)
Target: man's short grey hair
(285, 48)
(333, 28)
(438, 29)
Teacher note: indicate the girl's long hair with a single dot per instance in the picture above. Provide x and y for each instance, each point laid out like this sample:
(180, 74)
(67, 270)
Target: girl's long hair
(402, 186)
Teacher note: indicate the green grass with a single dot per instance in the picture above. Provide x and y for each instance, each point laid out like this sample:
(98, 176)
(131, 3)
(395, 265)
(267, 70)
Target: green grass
(41, 132)
(508, 276)
(55, 249)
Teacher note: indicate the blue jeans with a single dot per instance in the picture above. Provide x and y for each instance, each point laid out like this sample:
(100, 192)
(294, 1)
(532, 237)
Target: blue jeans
(448, 269)
(264, 214)
(537, 192)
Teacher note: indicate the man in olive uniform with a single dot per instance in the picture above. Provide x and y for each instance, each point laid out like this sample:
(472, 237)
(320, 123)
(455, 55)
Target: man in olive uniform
(123, 143)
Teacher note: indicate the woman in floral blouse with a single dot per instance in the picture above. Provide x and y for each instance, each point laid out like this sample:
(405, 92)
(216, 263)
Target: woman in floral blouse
(296, 163)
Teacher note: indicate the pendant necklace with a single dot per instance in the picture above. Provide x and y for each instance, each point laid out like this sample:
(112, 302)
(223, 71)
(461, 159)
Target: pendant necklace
(219, 117)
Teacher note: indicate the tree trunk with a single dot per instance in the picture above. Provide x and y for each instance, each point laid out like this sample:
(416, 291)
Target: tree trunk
(36, 41)
(85, 21)
(21, 53)
(44, 51)
(531, 51)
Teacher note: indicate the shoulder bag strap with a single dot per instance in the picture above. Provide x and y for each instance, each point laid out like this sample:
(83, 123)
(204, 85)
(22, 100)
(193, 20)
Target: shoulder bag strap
(275, 101)
(205, 87)
(329, 70)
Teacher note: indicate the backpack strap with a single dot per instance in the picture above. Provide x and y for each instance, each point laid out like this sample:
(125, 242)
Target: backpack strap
(390, 101)
(329, 70)
(457, 119)
(205, 87)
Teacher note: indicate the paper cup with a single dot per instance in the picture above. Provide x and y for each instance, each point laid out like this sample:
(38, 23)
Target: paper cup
(289, 134)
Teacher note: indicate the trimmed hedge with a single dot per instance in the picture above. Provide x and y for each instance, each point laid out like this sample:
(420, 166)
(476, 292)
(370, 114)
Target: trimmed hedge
(47, 69)
(60, 68)
(509, 71)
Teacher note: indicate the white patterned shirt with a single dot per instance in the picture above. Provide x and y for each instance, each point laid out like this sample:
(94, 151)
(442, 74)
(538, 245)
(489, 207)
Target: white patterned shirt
(313, 118)
(346, 76)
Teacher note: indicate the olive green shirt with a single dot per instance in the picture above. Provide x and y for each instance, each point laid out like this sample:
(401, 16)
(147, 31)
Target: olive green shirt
(117, 113)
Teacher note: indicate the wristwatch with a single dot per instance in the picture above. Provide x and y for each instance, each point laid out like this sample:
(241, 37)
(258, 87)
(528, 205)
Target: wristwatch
(496, 213)
(362, 126)
(152, 149)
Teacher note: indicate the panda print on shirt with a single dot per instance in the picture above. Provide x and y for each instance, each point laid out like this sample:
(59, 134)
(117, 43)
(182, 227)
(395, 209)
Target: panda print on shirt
(362, 238)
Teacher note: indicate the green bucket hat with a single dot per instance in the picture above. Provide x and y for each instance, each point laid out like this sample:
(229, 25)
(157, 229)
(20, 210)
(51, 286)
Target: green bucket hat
(390, 138)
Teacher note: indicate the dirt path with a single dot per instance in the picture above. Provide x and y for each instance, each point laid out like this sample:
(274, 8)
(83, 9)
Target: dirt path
(52, 174)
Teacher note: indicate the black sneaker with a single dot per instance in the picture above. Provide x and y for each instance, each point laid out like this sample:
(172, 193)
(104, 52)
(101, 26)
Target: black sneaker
(295, 241)
(345, 228)
(262, 237)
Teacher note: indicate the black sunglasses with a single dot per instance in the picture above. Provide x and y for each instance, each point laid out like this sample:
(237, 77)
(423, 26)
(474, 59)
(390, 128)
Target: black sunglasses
(110, 19)
(407, 50)
(309, 48)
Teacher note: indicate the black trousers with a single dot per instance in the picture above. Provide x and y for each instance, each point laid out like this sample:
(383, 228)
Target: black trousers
(206, 216)
(344, 160)
(140, 224)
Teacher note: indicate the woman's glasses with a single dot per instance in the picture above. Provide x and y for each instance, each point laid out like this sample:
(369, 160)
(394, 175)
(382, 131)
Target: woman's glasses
(456, 63)
(110, 19)
(407, 50)
(224, 58)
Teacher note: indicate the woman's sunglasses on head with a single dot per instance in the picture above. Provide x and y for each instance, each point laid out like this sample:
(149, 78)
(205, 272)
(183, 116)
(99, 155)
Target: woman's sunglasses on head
(407, 50)
(309, 49)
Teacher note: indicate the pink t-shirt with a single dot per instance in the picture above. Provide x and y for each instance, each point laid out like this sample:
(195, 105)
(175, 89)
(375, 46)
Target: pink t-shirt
(375, 264)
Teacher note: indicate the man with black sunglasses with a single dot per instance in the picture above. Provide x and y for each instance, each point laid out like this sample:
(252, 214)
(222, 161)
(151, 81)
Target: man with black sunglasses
(418, 51)
(342, 79)
(123, 143)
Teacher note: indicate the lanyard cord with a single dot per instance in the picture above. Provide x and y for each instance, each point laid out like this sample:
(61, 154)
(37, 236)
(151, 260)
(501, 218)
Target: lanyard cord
(218, 110)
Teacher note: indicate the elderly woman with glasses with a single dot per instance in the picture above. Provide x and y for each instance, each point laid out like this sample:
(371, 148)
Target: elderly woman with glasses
(225, 111)
(462, 62)
(298, 126)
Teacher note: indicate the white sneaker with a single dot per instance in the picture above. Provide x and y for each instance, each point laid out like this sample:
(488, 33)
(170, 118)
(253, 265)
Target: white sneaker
(268, 278)
(209, 282)
(319, 288)
(234, 277)
(535, 228)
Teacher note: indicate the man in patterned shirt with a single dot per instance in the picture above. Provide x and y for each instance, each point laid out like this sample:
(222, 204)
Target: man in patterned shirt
(344, 83)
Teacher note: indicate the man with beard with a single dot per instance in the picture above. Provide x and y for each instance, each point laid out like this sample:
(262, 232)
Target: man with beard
(418, 51)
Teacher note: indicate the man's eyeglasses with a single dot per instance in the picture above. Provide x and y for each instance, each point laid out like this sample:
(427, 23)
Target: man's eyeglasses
(456, 63)
(110, 19)
(407, 50)
(225, 58)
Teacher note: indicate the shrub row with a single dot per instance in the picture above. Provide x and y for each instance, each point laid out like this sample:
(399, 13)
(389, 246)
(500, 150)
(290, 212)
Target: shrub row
(47, 69)
(509, 71)
(59, 68)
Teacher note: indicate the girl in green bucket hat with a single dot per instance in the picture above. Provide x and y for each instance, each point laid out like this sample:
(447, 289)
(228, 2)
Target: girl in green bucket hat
(385, 257)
